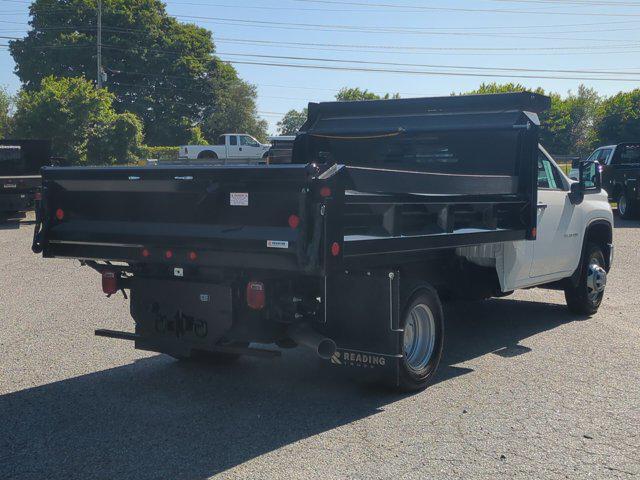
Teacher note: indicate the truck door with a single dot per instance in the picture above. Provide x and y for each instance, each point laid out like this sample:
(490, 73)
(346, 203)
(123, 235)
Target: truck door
(250, 147)
(559, 239)
(234, 150)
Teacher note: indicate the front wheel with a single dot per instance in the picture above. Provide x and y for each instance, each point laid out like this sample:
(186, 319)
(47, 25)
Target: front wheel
(423, 325)
(585, 297)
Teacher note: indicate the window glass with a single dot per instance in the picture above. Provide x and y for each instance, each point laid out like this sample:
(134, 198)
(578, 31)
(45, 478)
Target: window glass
(221, 140)
(248, 141)
(604, 155)
(547, 178)
(628, 154)
(233, 140)
(594, 156)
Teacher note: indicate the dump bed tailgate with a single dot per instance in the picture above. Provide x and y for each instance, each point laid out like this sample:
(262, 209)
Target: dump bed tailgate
(216, 216)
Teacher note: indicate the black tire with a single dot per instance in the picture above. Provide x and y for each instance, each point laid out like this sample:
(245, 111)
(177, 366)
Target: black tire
(626, 207)
(582, 298)
(413, 377)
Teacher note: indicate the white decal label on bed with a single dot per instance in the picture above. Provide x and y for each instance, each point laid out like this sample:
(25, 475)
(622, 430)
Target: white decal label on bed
(277, 244)
(239, 199)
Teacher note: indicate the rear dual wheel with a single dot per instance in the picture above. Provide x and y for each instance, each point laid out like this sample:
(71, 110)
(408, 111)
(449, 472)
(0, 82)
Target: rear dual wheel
(422, 339)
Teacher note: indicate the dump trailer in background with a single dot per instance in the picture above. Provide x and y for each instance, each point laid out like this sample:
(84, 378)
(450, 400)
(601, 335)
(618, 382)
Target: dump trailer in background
(385, 209)
(20, 163)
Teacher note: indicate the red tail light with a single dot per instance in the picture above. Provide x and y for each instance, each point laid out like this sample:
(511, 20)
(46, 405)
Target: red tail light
(37, 196)
(168, 254)
(294, 221)
(146, 253)
(59, 214)
(193, 256)
(109, 282)
(256, 296)
(325, 192)
(335, 249)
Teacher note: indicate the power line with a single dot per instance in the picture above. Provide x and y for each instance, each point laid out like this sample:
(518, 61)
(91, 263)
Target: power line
(430, 73)
(467, 10)
(373, 29)
(358, 48)
(398, 64)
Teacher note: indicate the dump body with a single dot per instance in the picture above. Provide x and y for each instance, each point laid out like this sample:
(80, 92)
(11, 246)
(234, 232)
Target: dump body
(20, 163)
(369, 183)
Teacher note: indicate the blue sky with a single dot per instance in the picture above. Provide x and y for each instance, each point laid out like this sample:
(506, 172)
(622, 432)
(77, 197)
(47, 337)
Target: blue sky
(581, 37)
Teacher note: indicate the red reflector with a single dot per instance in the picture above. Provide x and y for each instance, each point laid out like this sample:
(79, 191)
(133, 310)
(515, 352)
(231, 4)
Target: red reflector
(146, 253)
(335, 249)
(168, 254)
(109, 282)
(193, 256)
(59, 214)
(256, 296)
(325, 192)
(37, 196)
(294, 221)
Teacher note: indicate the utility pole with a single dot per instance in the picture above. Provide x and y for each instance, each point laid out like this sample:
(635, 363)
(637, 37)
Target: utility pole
(99, 36)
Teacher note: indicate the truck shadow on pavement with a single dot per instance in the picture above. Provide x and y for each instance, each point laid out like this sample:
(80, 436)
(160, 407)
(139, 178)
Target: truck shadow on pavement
(158, 418)
(621, 223)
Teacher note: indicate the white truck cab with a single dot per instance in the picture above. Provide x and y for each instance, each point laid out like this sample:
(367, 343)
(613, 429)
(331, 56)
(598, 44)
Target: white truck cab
(571, 225)
(229, 148)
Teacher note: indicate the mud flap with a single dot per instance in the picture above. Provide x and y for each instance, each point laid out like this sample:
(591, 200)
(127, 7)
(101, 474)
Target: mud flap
(362, 315)
(175, 317)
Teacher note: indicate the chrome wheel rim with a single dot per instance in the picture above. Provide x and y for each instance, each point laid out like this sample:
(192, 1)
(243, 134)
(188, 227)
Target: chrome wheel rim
(622, 205)
(419, 338)
(596, 280)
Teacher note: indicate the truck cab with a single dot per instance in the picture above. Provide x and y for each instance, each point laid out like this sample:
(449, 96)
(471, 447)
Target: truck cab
(229, 148)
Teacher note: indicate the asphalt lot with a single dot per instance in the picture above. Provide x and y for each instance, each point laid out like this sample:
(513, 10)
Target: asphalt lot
(526, 390)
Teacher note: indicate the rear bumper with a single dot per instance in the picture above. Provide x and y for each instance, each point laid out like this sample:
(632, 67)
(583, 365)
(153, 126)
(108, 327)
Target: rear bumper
(14, 202)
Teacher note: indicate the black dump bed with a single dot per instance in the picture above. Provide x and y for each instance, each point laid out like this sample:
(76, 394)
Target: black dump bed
(370, 183)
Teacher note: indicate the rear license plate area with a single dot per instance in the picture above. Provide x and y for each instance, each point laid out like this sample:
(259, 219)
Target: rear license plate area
(196, 313)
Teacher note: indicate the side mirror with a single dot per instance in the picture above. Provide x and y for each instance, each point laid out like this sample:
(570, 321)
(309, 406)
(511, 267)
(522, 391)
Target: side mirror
(576, 195)
(589, 182)
(590, 178)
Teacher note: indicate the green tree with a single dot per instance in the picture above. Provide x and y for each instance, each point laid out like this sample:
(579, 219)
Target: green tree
(235, 109)
(80, 121)
(348, 94)
(197, 138)
(567, 127)
(292, 121)
(618, 119)
(162, 70)
(5, 118)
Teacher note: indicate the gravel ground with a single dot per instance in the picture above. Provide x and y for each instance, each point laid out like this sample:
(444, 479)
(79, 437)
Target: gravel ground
(526, 390)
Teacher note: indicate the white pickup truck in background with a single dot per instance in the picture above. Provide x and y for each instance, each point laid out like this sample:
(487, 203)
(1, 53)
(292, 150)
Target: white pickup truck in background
(230, 148)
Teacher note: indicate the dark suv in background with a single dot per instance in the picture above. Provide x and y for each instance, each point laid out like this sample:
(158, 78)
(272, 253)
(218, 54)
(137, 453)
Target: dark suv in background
(620, 175)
